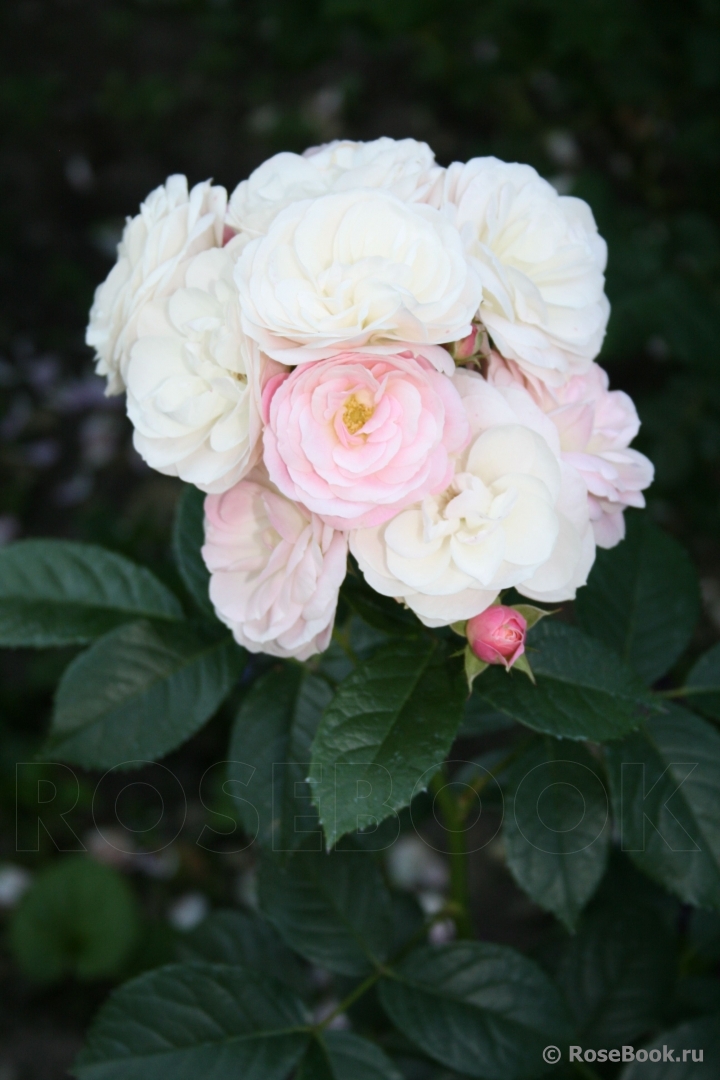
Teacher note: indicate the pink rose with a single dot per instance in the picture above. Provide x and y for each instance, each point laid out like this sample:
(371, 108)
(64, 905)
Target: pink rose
(358, 437)
(275, 569)
(497, 635)
(596, 426)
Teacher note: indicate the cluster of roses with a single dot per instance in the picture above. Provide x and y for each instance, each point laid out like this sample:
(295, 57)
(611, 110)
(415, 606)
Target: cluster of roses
(361, 350)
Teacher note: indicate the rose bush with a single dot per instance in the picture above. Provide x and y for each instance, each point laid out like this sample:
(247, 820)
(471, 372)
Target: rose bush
(370, 355)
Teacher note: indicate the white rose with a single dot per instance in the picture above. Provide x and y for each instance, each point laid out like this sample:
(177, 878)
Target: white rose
(172, 226)
(515, 515)
(275, 569)
(355, 269)
(405, 168)
(541, 261)
(194, 380)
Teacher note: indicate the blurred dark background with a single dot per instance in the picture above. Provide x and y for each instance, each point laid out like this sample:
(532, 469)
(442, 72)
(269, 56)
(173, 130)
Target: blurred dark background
(615, 101)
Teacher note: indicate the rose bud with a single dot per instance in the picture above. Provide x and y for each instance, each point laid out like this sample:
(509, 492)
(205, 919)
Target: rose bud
(497, 635)
(467, 347)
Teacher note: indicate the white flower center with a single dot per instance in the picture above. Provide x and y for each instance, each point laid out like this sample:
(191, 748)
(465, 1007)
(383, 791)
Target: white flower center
(468, 509)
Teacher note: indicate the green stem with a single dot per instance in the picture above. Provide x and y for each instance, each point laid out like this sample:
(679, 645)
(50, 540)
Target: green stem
(369, 982)
(360, 989)
(681, 691)
(342, 637)
(482, 781)
(454, 817)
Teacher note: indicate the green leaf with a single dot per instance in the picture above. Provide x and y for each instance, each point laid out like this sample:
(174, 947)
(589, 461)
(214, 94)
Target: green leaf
(332, 908)
(703, 934)
(703, 1034)
(531, 614)
(704, 683)
(642, 599)
(379, 611)
(583, 691)
(664, 781)
(139, 692)
(57, 592)
(195, 1020)
(482, 1009)
(473, 665)
(556, 826)
(617, 973)
(187, 540)
(240, 937)
(480, 719)
(78, 918)
(385, 733)
(341, 1055)
(272, 736)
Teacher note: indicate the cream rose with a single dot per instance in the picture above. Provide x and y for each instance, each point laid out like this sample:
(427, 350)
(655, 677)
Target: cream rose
(514, 514)
(541, 261)
(404, 167)
(194, 380)
(173, 225)
(275, 569)
(356, 269)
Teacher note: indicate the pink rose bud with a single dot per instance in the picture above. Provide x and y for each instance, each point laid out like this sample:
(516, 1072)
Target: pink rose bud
(497, 635)
(463, 350)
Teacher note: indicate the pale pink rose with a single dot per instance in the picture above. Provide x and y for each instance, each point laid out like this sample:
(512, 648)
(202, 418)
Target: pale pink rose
(275, 569)
(357, 437)
(497, 635)
(596, 426)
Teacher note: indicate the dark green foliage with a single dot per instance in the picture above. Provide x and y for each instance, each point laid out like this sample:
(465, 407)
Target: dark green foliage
(617, 973)
(187, 539)
(583, 691)
(341, 1055)
(699, 1035)
(642, 599)
(270, 753)
(385, 734)
(333, 909)
(55, 592)
(664, 781)
(78, 918)
(704, 684)
(447, 1001)
(137, 693)
(557, 826)
(240, 937)
(195, 1018)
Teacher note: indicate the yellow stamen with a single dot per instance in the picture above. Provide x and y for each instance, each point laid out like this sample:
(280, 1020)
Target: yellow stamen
(356, 414)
